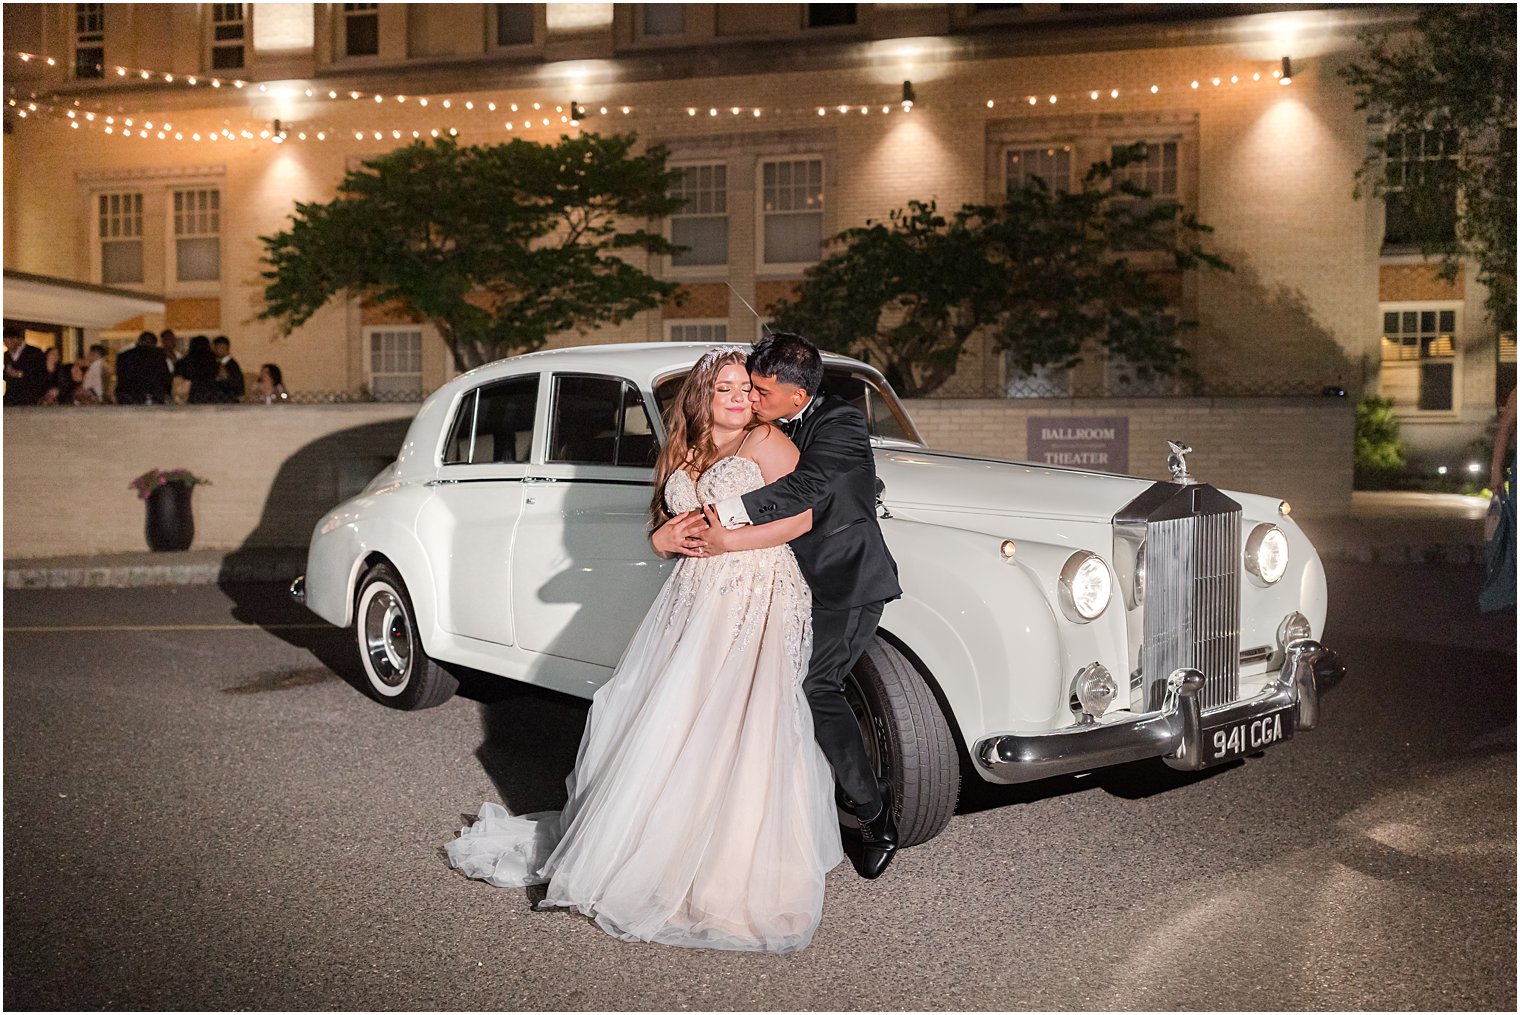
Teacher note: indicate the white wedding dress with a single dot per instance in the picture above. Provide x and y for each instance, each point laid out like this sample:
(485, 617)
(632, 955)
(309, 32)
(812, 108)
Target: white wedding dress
(701, 810)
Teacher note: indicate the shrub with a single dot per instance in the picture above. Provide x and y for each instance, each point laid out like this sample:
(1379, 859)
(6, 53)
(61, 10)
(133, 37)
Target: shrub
(1379, 451)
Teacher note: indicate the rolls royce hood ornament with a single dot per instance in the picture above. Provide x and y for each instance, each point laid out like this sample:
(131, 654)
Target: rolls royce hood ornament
(1177, 462)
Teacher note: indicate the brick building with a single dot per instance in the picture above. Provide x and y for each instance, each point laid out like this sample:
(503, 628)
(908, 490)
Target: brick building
(148, 146)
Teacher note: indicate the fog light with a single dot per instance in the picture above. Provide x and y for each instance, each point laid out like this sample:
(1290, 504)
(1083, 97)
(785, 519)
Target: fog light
(1295, 627)
(1094, 689)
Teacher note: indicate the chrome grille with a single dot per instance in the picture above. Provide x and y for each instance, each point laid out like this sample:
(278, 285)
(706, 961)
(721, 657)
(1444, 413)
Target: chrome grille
(1192, 605)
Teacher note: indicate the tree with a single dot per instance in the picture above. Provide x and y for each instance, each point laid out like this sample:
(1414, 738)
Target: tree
(498, 246)
(1045, 272)
(1450, 85)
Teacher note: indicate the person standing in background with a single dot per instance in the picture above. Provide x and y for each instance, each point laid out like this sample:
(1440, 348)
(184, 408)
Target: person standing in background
(140, 375)
(199, 368)
(168, 343)
(95, 373)
(26, 369)
(229, 373)
(270, 388)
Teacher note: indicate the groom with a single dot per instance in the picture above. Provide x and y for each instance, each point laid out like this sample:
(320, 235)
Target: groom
(843, 557)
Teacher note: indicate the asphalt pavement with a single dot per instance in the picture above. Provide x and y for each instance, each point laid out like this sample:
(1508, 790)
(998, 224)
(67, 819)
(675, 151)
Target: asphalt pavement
(203, 811)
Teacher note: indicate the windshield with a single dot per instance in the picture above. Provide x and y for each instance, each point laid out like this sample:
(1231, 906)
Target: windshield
(885, 415)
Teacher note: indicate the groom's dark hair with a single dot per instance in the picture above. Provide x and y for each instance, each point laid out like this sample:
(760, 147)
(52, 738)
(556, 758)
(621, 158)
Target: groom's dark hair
(789, 358)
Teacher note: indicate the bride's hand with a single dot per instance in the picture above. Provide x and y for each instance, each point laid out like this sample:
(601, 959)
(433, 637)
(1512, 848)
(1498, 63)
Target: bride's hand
(713, 538)
(677, 537)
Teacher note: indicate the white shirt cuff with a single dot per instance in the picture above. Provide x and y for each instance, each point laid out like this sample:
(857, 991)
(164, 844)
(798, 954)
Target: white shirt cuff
(731, 512)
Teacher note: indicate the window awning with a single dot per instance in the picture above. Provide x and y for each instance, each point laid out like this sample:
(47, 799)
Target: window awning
(38, 299)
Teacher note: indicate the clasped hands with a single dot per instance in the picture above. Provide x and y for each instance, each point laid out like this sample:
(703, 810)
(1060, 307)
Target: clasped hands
(696, 533)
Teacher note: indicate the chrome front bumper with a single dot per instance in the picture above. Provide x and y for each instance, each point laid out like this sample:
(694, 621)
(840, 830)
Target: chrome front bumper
(1175, 733)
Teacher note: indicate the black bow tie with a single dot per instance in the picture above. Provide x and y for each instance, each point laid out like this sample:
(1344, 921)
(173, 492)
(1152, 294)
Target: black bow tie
(788, 426)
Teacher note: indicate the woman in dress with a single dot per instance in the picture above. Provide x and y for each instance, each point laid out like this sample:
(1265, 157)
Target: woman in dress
(700, 810)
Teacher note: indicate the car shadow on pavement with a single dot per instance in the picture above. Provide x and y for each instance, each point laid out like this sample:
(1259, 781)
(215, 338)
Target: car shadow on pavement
(529, 738)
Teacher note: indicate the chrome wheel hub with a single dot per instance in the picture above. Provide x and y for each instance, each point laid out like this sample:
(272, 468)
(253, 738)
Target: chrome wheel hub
(387, 638)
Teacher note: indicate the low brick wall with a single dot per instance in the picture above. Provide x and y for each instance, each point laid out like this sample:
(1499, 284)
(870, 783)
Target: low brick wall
(1299, 449)
(276, 469)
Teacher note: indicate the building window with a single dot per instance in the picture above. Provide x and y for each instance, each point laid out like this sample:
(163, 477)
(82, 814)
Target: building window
(514, 24)
(89, 40)
(696, 331)
(1419, 357)
(830, 15)
(664, 19)
(229, 30)
(121, 238)
(1420, 199)
(1158, 175)
(1051, 163)
(395, 363)
(197, 235)
(1506, 373)
(361, 29)
(702, 225)
(792, 203)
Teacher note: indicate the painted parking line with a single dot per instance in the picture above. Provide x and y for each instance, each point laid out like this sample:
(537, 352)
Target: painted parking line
(165, 627)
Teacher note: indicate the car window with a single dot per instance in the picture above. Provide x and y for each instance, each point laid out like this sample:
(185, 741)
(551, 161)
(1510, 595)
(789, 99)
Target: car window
(600, 421)
(879, 405)
(494, 423)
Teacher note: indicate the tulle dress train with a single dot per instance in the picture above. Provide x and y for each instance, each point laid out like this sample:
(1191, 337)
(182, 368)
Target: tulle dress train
(700, 809)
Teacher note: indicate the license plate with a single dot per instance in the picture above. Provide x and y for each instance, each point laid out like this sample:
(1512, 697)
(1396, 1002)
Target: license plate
(1237, 739)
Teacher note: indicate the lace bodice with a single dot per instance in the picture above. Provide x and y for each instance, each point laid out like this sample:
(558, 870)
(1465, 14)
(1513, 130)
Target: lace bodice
(727, 477)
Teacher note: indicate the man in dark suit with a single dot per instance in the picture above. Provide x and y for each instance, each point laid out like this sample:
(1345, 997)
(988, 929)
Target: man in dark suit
(843, 557)
(229, 373)
(140, 375)
(26, 370)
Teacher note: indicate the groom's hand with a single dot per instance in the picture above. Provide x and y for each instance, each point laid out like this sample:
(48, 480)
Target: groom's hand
(714, 539)
(678, 537)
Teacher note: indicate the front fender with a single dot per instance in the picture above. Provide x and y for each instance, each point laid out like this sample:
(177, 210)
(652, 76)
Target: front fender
(985, 628)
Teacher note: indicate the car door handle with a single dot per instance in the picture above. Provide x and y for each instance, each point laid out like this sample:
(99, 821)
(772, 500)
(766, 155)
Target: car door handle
(539, 479)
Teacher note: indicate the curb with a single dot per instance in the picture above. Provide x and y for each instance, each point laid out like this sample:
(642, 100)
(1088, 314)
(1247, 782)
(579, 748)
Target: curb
(269, 569)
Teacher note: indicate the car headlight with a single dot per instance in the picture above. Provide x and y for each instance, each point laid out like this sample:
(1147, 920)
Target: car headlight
(1266, 556)
(1085, 587)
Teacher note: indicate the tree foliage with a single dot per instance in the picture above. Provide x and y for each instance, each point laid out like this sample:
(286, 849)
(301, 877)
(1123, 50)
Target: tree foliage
(1045, 272)
(498, 246)
(1453, 76)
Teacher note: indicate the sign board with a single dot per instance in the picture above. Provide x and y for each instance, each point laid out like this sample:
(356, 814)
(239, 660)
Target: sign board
(1100, 443)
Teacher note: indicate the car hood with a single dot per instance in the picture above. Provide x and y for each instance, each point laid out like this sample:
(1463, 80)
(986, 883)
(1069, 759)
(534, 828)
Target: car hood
(936, 481)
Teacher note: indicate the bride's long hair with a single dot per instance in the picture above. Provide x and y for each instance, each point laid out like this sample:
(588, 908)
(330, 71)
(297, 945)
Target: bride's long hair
(688, 426)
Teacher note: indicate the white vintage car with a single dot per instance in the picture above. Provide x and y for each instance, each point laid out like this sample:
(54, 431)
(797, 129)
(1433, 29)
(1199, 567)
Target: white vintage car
(1053, 620)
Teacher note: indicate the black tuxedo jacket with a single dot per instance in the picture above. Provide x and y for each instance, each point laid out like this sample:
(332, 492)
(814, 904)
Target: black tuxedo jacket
(230, 390)
(33, 383)
(843, 557)
(141, 376)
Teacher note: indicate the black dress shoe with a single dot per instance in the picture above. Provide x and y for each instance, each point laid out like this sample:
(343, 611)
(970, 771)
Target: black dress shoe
(877, 838)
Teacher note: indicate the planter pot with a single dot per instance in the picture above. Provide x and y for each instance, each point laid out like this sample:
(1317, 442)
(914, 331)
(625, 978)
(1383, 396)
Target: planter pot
(170, 526)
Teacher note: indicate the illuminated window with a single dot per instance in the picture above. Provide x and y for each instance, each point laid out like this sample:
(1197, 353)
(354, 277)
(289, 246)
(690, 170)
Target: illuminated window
(197, 235)
(1051, 163)
(120, 225)
(89, 40)
(1419, 357)
(792, 205)
(229, 31)
(395, 363)
(1156, 174)
(702, 225)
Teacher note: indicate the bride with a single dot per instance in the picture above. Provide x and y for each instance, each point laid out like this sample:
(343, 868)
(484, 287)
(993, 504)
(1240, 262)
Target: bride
(701, 809)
